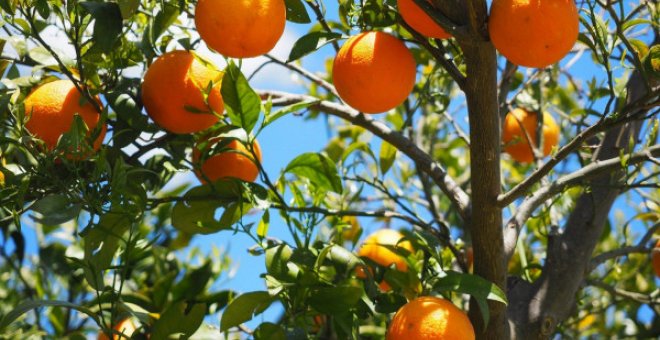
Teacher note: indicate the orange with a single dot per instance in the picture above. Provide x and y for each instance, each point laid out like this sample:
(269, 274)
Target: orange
(50, 109)
(374, 72)
(421, 22)
(2, 179)
(240, 28)
(533, 33)
(234, 161)
(375, 249)
(655, 258)
(351, 228)
(515, 139)
(174, 89)
(126, 327)
(429, 317)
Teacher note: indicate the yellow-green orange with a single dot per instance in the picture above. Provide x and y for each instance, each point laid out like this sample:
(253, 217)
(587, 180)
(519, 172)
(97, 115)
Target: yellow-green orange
(51, 108)
(240, 28)
(519, 125)
(427, 318)
(533, 33)
(375, 248)
(374, 72)
(174, 89)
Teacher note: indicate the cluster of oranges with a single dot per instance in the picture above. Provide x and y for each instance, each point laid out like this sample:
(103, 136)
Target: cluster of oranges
(425, 317)
(374, 72)
(181, 90)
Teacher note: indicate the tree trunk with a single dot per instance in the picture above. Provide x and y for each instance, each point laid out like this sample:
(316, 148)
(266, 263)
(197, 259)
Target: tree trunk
(486, 221)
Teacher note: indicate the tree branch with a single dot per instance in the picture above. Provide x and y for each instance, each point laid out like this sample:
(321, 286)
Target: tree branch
(446, 64)
(624, 251)
(440, 177)
(641, 298)
(600, 126)
(309, 75)
(590, 171)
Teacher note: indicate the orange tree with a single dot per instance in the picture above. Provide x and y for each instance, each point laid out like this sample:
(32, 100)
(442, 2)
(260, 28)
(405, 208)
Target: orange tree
(558, 244)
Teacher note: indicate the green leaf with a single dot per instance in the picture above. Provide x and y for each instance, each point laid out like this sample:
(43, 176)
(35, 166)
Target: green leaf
(128, 7)
(181, 318)
(264, 223)
(389, 303)
(193, 284)
(30, 305)
(639, 47)
(163, 20)
(387, 156)
(108, 25)
(100, 245)
(652, 62)
(343, 259)
(310, 43)
(480, 289)
(8, 6)
(269, 331)
(244, 307)
(279, 264)
(318, 169)
(289, 109)
(55, 210)
(335, 300)
(295, 12)
(634, 22)
(41, 55)
(196, 213)
(242, 103)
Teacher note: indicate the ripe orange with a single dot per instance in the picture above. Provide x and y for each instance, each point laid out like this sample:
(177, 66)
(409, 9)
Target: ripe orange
(240, 28)
(655, 258)
(173, 92)
(429, 317)
(421, 22)
(127, 327)
(533, 33)
(374, 72)
(2, 178)
(235, 161)
(515, 139)
(50, 109)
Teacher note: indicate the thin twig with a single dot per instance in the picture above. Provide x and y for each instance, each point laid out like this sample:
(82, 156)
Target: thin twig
(454, 192)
